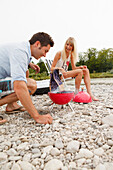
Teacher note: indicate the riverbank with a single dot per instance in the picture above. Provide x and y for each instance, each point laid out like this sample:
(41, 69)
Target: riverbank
(82, 140)
(43, 76)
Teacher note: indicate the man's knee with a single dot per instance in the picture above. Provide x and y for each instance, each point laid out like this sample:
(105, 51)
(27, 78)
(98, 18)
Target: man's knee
(32, 85)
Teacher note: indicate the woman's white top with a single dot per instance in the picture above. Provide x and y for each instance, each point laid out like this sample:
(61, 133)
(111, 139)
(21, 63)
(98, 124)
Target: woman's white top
(63, 63)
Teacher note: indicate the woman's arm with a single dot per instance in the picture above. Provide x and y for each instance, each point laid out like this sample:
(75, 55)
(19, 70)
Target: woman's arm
(72, 63)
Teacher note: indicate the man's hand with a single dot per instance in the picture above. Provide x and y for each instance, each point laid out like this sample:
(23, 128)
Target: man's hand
(35, 67)
(44, 119)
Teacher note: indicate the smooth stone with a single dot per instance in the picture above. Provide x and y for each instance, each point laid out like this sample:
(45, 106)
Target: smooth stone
(37, 155)
(55, 152)
(99, 151)
(14, 158)
(46, 142)
(36, 150)
(3, 158)
(53, 164)
(108, 120)
(7, 166)
(109, 166)
(59, 144)
(26, 165)
(100, 167)
(72, 165)
(36, 161)
(65, 168)
(81, 161)
(43, 156)
(110, 142)
(22, 146)
(96, 160)
(15, 167)
(73, 146)
(84, 153)
(35, 145)
(12, 152)
(106, 147)
(27, 157)
(47, 149)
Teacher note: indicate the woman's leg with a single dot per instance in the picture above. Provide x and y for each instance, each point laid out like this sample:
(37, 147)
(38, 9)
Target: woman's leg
(75, 73)
(88, 84)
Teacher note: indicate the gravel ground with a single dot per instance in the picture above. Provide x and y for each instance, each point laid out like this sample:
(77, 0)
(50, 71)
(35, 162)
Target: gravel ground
(79, 140)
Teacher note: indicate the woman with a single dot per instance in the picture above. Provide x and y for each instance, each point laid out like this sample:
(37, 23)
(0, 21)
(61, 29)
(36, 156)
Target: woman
(61, 62)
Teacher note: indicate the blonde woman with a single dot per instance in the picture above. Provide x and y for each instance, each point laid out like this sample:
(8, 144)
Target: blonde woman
(61, 62)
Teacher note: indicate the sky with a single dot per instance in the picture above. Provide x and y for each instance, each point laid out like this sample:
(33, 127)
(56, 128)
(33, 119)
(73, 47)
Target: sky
(90, 22)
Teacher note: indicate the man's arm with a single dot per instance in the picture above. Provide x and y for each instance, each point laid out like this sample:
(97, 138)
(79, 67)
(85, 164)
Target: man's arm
(23, 95)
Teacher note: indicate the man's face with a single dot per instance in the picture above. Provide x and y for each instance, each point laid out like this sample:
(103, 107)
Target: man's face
(41, 51)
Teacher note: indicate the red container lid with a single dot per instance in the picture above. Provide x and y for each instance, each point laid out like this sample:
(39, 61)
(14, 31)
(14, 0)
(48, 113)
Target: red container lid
(82, 97)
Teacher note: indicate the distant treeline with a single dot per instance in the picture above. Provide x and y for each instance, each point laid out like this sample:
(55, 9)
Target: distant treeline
(97, 61)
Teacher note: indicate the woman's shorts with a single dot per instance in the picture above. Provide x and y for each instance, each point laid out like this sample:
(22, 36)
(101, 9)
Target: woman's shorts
(5, 87)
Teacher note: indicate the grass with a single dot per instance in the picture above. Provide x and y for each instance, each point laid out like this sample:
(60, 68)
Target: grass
(101, 75)
(44, 76)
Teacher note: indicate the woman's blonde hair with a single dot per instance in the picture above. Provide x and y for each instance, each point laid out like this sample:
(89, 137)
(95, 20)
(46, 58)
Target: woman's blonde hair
(74, 50)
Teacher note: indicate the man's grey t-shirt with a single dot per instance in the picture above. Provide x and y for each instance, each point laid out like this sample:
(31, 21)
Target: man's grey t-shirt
(14, 60)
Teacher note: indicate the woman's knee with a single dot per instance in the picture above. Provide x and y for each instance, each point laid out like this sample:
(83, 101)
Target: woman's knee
(80, 72)
(86, 71)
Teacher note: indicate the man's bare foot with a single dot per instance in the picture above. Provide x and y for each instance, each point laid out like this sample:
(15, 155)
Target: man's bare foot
(13, 107)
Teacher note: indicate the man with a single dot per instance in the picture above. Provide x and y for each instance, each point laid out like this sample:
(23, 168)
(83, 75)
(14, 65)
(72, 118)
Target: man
(14, 61)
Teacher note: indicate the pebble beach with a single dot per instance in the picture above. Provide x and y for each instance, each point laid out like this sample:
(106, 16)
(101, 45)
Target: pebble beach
(79, 140)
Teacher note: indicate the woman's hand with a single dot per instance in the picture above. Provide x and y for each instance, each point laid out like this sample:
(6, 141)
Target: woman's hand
(61, 70)
(35, 67)
(83, 67)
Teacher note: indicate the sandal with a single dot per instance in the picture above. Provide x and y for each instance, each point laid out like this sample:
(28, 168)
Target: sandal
(20, 109)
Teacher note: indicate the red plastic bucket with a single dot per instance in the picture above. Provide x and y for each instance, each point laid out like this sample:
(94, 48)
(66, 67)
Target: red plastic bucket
(61, 98)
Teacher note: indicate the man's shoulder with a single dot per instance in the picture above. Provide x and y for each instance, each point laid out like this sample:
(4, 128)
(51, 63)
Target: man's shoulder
(15, 45)
(22, 45)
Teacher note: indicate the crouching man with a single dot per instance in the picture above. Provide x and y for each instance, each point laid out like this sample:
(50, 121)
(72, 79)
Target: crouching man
(14, 61)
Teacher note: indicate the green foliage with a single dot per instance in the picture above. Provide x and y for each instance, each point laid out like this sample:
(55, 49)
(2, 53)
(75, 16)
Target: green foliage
(43, 72)
(98, 61)
(39, 76)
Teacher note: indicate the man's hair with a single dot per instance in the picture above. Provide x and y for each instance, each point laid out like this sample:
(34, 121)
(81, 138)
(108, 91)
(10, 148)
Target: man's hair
(44, 39)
